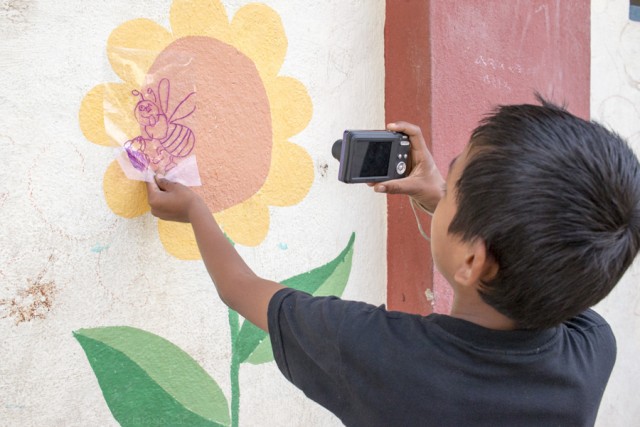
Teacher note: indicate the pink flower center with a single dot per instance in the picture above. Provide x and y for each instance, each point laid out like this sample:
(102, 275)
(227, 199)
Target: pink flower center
(232, 119)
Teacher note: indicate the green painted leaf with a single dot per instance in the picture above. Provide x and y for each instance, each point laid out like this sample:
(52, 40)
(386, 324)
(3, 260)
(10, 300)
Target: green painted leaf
(329, 279)
(337, 281)
(334, 285)
(263, 352)
(147, 380)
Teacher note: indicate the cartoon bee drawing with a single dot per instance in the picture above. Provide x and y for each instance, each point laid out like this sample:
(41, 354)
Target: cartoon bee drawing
(160, 132)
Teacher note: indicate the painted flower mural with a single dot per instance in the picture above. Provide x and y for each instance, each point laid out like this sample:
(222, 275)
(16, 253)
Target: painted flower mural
(208, 89)
(245, 114)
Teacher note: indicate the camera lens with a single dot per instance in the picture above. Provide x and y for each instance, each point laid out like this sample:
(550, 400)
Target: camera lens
(336, 149)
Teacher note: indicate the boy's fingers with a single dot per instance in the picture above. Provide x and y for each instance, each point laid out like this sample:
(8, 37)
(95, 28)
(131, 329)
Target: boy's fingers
(418, 144)
(404, 127)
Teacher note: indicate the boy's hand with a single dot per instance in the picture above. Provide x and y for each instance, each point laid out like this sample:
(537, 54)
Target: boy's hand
(425, 183)
(172, 201)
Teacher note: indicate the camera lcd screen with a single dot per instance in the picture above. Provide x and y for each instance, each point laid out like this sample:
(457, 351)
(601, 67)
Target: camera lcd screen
(375, 158)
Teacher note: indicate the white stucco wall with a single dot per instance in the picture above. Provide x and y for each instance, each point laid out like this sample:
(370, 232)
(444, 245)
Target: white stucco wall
(615, 101)
(100, 269)
(104, 270)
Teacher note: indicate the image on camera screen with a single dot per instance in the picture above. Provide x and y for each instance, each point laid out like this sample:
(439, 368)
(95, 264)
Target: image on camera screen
(375, 158)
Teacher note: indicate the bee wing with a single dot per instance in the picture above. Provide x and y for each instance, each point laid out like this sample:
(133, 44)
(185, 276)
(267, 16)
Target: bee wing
(163, 95)
(186, 107)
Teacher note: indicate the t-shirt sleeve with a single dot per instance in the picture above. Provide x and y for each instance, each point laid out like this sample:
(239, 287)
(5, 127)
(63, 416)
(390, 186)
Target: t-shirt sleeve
(305, 336)
(598, 333)
(591, 324)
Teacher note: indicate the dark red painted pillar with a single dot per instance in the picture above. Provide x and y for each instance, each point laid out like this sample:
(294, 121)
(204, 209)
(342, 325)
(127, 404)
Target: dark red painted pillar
(450, 62)
(408, 98)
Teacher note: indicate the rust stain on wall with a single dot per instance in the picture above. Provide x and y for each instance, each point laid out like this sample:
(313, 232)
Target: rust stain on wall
(15, 11)
(33, 302)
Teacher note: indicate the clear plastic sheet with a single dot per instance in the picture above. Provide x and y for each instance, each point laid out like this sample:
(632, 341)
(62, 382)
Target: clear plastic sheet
(158, 115)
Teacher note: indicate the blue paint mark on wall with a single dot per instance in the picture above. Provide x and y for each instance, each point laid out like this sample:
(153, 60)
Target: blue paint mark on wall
(97, 248)
(283, 246)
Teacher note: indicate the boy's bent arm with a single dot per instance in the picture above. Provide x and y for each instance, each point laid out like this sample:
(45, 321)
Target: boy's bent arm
(237, 285)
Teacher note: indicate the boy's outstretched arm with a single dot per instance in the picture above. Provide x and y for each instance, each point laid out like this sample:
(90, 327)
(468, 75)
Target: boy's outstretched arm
(238, 286)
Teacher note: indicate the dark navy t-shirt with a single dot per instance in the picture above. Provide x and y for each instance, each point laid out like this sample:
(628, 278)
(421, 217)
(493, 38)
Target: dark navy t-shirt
(373, 367)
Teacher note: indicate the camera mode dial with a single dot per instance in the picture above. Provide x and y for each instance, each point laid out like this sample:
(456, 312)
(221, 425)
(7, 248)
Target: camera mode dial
(401, 168)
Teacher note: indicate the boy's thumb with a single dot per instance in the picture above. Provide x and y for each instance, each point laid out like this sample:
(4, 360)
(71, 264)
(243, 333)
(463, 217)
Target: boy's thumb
(397, 186)
(162, 182)
(389, 187)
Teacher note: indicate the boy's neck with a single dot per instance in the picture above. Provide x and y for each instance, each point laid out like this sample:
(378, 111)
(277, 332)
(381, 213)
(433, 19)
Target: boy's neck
(473, 309)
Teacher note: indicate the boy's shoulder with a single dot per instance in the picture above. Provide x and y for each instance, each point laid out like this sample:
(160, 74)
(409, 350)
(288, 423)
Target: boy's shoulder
(361, 319)
(587, 319)
(591, 327)
(377, 361)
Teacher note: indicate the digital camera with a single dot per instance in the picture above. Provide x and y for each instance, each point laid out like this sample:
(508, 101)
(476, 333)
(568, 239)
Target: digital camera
(372, 155)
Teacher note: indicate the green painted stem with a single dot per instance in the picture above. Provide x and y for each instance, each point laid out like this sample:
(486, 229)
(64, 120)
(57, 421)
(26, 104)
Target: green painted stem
(234, 372)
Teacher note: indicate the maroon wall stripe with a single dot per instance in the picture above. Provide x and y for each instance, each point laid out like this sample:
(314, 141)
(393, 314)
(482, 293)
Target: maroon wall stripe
(448, 63)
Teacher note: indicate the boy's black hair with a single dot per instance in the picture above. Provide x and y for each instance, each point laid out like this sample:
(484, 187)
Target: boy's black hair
(557, 201)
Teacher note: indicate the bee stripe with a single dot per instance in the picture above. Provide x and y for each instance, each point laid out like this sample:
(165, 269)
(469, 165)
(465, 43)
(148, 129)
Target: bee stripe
(170, 143)
(169, 138)
(187, 144)
(180, 142)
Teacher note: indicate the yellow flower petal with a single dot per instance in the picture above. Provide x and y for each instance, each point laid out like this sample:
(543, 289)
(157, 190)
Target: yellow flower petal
(91, 117)
(178, 239)
(133, 46)
(259, 34)
(291, 107)
(200, 18)
(290, 176)
(125, 197)
(247, 223)
(119, 119)
(106, 114)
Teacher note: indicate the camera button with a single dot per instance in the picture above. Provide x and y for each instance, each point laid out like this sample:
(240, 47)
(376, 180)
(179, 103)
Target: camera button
(399, 156)
(401, 168)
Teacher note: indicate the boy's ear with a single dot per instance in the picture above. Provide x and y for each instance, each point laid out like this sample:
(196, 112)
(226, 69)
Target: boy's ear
(477, 266)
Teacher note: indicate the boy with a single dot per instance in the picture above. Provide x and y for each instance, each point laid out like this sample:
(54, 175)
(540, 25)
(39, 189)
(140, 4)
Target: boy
(537, 221)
